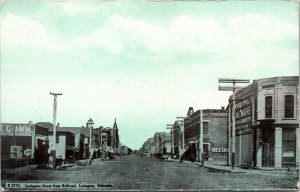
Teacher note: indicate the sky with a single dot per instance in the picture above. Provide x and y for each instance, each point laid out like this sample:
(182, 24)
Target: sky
(141, 62)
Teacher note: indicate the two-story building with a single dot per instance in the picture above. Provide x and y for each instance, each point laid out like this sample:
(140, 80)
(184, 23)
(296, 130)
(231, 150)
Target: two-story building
(213, 123)
(266, 123)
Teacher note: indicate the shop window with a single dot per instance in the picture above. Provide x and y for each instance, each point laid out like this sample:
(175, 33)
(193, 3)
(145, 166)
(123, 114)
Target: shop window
(205, 127)
(268, 107)
(289, 147)
(289, 106)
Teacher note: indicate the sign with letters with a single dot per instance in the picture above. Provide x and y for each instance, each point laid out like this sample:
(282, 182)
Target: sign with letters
(16, 152)
(16, 129)
(219, 150)
(27, 152)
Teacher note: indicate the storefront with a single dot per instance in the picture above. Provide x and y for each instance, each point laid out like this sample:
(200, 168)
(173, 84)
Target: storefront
(214, 129)
(20, 143)
(267, 125)
(288, 147)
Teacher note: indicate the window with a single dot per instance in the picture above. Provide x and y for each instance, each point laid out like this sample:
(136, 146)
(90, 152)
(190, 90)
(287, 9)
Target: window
(268, 107)
(289, 106)
(205, 127)
(57, 138)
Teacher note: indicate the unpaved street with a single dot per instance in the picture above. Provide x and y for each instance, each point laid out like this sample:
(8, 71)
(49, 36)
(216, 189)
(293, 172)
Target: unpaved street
(134, 172)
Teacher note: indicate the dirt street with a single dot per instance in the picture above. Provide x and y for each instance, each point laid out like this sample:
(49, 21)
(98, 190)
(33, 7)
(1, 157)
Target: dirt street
(134, 172)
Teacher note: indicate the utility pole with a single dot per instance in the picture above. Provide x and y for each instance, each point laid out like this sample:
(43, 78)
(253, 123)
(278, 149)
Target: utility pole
(182, 131)
(201, 158)
(54, 127)
(171, 126)
(100, 144)
(33, 142)
(90, 123)
(233, 89)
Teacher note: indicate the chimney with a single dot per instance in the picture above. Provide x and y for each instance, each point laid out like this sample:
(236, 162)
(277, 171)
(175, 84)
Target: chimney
(223, 108)
(57, 124)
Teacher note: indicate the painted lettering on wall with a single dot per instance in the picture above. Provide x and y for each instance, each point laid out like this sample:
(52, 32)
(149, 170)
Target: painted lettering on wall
(243, 114)
(219, 150)
(15, 128)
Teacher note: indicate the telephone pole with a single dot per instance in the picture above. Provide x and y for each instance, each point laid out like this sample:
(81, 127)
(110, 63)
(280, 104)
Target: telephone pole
(54, 127)
(232, 88)
(182, 134)
(201, 156)
(171, 126)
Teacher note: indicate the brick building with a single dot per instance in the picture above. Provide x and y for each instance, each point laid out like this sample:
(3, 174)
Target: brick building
(267, 123)
(214, 122)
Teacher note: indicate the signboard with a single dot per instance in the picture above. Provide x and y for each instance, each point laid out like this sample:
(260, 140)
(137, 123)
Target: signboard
(16, 129)
(13, 149)
(243, 114)
(219, 150)
(27, 152)
(288, 152)
(16, 152)
(11, 144)
(19, 155)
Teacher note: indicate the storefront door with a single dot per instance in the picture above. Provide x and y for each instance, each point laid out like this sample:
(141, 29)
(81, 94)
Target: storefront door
(267, 155)
(205, 151)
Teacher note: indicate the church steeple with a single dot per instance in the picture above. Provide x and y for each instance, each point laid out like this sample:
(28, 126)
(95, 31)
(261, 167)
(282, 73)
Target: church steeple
(115, 124)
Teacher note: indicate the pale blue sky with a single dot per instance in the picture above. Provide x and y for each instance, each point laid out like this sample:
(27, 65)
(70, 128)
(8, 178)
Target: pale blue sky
(139, 61)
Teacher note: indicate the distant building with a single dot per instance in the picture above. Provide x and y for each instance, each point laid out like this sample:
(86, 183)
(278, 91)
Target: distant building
(148, 147)
(167, 143)
(178, 134)
(158, 143)
(267, 123)
(124, 150)
(65, 143)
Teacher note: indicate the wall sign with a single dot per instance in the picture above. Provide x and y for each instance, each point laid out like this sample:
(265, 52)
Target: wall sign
(27, 152)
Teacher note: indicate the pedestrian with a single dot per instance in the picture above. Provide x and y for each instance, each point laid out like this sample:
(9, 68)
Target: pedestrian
(192, 157)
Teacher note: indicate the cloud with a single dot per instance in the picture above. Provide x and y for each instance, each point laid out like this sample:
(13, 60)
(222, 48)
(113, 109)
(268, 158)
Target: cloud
(23, 32)
(181, 36)
(75, 7)
(250, 29)
(185, 35)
